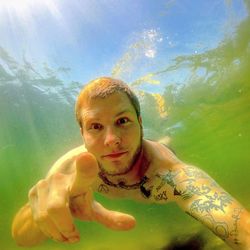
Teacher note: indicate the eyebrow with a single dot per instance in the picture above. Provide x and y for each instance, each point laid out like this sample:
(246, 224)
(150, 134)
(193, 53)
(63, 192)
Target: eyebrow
(123, 111)
(93, 118)
(89, 117)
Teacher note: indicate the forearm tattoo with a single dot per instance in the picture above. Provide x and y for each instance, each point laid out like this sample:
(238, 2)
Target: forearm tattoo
(207, 201)
(235, 231)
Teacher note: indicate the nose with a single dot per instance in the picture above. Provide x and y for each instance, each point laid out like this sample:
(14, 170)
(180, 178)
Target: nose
(112, 137)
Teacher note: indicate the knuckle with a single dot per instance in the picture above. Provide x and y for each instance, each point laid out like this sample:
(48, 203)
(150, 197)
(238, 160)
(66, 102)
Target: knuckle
(41, 217)
(32, 193)
(55, 207)
(56, 177)
(41, 184)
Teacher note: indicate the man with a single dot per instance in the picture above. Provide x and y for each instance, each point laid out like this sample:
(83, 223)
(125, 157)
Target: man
(118, 162)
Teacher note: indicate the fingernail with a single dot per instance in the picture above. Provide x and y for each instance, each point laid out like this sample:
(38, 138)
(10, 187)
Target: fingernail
(74, 239)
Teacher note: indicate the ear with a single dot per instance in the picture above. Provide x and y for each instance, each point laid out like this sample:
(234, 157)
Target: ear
(81, 130)
(140, 120)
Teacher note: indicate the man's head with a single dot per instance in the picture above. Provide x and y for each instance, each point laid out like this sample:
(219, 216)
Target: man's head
(101, 88)
(108, 113)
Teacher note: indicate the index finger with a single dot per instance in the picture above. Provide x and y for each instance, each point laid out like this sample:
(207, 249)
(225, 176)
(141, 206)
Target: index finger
(85, 174)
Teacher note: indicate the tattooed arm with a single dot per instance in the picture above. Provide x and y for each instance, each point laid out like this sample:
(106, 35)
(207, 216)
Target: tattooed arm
(203, 199)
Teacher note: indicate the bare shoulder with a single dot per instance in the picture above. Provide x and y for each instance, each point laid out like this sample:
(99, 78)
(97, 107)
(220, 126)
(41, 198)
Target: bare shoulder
(65, 163)
(160, 156)
(170, 179)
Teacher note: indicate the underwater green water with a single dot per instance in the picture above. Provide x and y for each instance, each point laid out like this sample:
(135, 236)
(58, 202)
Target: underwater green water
(206, 121)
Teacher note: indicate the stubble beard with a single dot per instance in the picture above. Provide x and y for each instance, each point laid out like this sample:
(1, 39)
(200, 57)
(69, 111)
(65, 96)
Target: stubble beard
(126, 169)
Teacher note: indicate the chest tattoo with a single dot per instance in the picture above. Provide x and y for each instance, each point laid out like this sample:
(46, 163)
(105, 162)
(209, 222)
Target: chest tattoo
(103, 189)
(121, 184)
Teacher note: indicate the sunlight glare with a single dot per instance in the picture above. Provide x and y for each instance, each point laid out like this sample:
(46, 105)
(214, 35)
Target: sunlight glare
(17, 5)
(24, 8)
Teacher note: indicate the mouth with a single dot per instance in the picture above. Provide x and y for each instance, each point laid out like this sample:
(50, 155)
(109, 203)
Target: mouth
(115, 155)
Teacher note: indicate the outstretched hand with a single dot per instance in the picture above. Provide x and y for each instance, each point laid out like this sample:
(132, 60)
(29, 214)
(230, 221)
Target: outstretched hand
(60, 197)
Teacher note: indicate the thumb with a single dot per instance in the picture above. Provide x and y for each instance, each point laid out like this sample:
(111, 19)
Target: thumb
(112, 219)
(86, 170)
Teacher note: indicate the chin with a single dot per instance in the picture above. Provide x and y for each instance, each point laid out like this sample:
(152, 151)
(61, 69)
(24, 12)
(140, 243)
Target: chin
(114, 168)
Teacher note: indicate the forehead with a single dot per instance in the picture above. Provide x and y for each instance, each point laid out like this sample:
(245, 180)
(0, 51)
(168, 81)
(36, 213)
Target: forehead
(111, 105)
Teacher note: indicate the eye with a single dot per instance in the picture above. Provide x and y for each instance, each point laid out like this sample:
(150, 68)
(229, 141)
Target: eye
(96, 126)
(122, 121)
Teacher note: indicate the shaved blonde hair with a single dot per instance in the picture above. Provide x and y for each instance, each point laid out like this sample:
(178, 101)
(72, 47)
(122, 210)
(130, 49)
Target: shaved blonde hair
(101, 88)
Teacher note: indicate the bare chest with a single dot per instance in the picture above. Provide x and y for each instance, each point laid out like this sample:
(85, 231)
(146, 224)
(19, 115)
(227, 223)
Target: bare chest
(121, 189)
(142, 191)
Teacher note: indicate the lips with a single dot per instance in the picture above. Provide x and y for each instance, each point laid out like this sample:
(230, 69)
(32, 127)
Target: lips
(115, 155)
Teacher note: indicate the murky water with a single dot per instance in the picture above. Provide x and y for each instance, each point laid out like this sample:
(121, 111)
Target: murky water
(202, 112)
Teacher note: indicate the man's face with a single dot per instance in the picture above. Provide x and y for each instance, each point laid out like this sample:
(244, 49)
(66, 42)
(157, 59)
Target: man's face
(112, 132)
